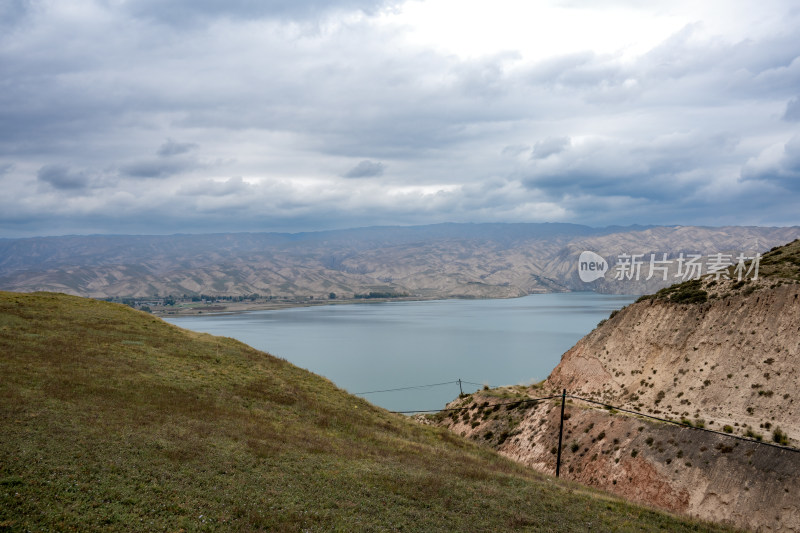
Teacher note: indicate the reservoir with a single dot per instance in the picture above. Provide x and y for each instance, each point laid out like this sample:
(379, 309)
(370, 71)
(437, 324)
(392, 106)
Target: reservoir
(427, 345)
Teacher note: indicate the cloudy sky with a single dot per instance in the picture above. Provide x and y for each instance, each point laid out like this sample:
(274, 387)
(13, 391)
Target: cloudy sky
(145, 116)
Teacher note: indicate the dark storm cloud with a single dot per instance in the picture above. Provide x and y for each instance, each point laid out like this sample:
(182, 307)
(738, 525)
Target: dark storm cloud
(62, 177)
(365, 169)
(792, 113)
(181, 12)
(171, 148)
(172, 160)
(156, 168)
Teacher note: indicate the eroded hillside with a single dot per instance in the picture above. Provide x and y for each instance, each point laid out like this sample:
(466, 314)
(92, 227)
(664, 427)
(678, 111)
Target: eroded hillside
(724, 353)
(715, 354)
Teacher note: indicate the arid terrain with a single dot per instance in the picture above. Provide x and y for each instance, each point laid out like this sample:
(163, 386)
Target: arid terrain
(440, 261)
(707, 355)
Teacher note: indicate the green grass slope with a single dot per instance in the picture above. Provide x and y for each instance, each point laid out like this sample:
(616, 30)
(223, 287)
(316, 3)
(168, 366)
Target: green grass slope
(113, 420)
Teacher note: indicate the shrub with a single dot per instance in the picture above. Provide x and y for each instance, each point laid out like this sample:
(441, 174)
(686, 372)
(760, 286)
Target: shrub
(724, 448)
(727, 428)
(780, 437)
(690, 296)
(753, 435)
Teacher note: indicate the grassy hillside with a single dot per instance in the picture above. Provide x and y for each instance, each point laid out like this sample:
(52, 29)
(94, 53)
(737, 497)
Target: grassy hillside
(782, 262)
(779, 266)
(111, 419)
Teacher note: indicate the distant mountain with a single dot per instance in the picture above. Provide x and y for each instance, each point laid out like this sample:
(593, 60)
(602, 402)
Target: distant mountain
(443, 260)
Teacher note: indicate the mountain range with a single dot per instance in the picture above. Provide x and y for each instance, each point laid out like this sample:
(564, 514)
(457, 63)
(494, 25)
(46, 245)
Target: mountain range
(435, 261)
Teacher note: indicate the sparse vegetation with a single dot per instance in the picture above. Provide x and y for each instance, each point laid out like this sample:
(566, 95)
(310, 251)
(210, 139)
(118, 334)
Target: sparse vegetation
(688, 292)
(782, 263)
(780, 437)
(753, 435)
(371, 295)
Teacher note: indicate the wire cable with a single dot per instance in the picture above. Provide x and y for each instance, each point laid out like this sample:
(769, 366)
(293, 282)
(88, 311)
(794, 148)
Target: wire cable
(571, 396)
(686, 425)
(515, 402)
(408, 388)
(608, 406)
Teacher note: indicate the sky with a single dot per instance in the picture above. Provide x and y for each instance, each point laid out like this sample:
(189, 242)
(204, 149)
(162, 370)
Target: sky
(197, 116)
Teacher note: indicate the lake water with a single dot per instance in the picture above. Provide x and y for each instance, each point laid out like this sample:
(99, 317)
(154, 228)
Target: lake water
(378, 346)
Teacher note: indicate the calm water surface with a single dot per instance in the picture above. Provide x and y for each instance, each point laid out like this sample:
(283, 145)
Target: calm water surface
(377, 346)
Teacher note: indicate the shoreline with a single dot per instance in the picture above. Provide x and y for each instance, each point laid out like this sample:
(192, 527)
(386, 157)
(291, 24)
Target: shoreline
(232, 308)
(228, 308)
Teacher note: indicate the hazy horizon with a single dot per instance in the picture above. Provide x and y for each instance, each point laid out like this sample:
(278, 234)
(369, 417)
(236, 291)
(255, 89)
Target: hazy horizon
(622, 228)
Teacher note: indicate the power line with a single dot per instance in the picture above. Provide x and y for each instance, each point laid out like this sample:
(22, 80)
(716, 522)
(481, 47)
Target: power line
(609, 406)
(515, 402)
(408, 388)
(422, 387)
(687, 425)
(478, 384)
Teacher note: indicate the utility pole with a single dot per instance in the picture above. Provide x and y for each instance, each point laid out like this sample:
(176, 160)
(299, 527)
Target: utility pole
(460, 390)
(561, 432)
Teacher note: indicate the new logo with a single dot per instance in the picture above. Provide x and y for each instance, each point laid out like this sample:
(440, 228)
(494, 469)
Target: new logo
(591, 266)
